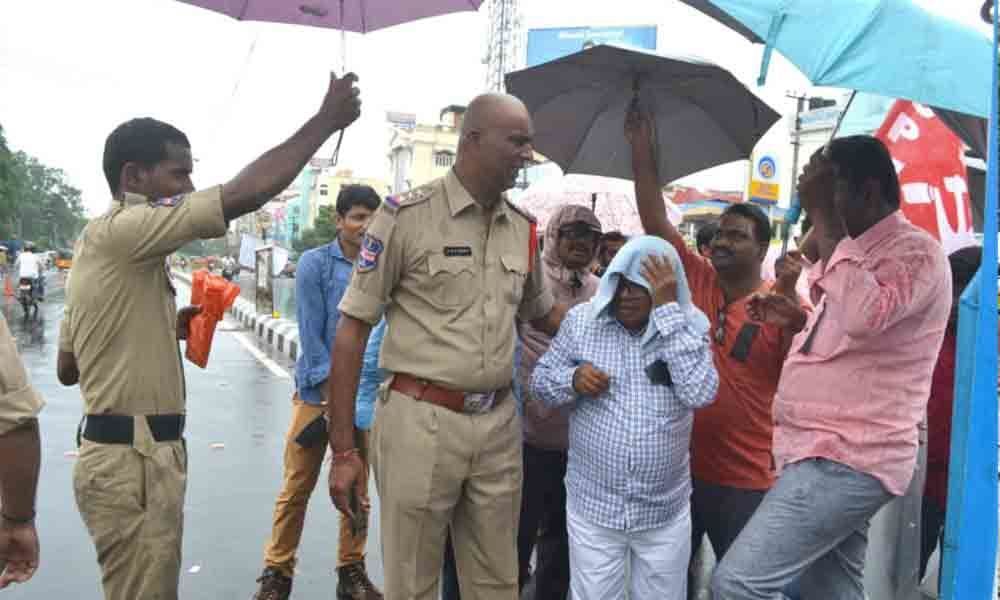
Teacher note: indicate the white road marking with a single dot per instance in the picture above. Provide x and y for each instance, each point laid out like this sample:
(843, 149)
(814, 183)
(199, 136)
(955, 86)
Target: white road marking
(272, 366)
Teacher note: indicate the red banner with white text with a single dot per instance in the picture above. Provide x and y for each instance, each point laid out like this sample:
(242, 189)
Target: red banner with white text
(928, 158)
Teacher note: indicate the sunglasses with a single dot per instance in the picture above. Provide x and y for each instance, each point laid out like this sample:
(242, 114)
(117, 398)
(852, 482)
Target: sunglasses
(579, 233)
(720, 326)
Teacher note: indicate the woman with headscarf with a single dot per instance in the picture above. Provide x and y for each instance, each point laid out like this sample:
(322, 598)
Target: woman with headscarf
(571, 240)
(632, 364)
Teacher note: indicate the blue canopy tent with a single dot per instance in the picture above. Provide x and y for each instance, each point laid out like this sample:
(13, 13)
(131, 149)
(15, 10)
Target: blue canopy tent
(970, 544)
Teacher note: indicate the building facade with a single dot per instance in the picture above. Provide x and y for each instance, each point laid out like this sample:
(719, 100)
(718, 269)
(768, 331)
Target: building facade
(421, 152)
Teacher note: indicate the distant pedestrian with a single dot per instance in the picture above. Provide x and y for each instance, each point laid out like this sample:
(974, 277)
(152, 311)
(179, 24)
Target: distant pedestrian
(323, 276)
(611, 243)
(703, 239)
(572, 236)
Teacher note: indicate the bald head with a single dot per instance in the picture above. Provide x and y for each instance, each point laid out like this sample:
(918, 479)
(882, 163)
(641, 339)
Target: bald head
(495, 144)
(489, 111)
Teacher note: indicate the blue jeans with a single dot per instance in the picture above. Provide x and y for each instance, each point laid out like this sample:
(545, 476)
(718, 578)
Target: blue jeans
(811, 526)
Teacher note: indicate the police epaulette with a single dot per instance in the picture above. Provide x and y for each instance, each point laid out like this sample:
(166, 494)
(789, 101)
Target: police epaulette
(524, 213)
(414, 196)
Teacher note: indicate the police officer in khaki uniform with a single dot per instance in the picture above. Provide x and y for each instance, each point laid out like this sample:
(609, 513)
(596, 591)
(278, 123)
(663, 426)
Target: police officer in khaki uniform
(119, 335)
(450, 265)
(20, 457)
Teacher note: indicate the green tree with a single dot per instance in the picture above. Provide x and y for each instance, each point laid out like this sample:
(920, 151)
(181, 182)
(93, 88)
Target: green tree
(36, 201)
(324, 230)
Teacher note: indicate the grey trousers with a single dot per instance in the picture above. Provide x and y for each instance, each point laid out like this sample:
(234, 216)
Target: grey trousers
(811, 526)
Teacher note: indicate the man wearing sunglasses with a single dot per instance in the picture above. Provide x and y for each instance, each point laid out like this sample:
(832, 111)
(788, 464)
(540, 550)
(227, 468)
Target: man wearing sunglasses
(731, 466)
(572, 236)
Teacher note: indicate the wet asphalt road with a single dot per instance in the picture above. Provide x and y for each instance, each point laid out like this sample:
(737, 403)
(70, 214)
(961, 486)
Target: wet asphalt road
(236, 401)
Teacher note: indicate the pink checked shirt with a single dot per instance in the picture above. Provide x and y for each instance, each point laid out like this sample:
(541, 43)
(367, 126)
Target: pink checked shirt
(856, 381)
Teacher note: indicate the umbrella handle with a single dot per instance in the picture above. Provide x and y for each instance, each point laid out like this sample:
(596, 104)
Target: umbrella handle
(336, 150)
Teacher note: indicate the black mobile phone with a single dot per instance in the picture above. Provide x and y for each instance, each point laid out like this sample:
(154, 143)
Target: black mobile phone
(659, 373)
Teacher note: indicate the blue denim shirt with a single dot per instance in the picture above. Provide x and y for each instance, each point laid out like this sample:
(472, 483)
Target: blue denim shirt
(371, 377)
(321, 279)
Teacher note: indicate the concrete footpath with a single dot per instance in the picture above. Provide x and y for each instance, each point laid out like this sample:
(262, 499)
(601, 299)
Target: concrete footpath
(280, 334)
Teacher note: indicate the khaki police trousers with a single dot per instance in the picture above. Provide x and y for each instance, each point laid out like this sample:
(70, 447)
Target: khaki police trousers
(434, 468)
(131, 499)
(302, 469)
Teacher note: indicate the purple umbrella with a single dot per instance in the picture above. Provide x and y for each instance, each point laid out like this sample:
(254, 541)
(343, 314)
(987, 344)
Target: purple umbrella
(360, 16)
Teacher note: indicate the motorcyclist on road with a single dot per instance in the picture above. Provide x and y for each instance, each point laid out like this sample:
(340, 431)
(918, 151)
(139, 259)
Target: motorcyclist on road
(29, 266)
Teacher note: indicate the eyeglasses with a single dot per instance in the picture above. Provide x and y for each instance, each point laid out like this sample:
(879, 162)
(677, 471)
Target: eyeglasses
(720, 326)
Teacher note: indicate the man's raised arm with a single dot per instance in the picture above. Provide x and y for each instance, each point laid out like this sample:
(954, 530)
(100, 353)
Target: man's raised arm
(652, 210)
(274, 171)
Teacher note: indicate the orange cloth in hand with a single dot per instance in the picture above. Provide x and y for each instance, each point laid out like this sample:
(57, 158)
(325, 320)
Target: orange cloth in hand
(215, 295)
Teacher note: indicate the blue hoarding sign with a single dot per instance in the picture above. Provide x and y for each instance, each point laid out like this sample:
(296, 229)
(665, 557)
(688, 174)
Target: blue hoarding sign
(549, 44)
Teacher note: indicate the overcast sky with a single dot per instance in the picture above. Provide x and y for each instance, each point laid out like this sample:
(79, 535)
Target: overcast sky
(72, 70)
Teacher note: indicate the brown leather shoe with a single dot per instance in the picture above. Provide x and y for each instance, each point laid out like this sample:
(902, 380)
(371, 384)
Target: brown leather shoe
(353, 583)
(273, 585)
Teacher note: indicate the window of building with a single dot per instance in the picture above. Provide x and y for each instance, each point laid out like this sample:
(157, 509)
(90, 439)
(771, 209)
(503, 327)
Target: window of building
(323, 190)
(444, 159)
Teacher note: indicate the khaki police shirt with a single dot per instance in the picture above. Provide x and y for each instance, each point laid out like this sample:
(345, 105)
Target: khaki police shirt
(121, 317)
(19, 402)
(449, 276)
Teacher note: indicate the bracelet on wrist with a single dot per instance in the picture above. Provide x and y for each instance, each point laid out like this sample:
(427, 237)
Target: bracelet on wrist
(18, 521)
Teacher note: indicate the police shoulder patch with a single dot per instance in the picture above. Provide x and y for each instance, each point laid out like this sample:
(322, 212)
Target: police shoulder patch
(416, 195)
(171, 202)
(524, 213)
(371, 248)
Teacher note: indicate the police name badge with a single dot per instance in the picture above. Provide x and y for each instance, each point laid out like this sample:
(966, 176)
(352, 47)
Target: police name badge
(371, 247)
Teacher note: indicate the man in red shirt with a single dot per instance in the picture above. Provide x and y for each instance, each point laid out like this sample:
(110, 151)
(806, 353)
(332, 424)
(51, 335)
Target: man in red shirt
(731, 466)
(964, 264)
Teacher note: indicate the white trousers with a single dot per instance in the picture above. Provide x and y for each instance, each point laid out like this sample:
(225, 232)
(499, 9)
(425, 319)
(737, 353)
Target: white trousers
(658, 559)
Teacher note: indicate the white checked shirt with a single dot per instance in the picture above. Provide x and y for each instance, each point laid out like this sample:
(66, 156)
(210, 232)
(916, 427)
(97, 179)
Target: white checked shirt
(628, 448)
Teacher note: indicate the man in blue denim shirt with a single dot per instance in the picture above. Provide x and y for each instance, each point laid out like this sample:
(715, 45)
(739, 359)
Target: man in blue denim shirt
(321, 279)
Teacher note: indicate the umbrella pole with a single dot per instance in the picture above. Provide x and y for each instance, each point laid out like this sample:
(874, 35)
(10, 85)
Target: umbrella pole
(343, 71)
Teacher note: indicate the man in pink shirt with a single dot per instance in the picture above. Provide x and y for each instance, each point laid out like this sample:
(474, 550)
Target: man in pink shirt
(855, 385)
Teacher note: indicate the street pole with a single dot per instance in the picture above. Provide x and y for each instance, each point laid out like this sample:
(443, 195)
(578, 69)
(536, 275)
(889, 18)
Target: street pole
(800, 102)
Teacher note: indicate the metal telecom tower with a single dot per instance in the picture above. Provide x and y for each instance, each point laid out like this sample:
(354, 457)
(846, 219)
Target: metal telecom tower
(503, 42)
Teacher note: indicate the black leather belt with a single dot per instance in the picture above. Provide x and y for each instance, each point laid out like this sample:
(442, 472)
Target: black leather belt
(119, 429)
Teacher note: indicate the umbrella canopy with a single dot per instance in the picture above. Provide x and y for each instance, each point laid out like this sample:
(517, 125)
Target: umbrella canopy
(890, 47)
(723, 17)
(360, 16)
(702, 115)
(614, 203)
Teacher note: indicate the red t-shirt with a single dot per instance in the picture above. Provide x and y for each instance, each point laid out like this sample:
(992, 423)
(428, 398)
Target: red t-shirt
(732, 438)
(939, 408)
